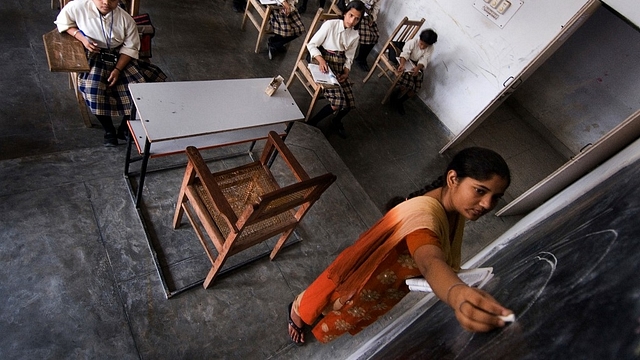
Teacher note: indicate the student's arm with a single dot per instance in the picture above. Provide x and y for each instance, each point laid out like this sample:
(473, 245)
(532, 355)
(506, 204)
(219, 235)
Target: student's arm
(316, 41)
(423, 61)
(405, 55)
(375, 9)
(475, 309)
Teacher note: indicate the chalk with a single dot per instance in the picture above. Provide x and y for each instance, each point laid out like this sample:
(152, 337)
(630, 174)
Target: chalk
(509, 318)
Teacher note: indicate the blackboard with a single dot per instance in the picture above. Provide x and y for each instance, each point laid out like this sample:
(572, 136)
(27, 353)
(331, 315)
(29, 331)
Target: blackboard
(573, 281)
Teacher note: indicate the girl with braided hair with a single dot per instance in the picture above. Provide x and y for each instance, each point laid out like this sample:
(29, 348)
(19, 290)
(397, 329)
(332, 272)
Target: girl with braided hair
(421, 235)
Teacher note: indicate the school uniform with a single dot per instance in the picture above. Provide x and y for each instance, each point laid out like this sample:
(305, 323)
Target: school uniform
(115, 33)
(285, 27)
(337, 45)
(411, 52)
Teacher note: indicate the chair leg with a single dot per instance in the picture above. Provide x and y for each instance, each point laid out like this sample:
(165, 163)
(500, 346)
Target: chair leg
(372, 70)
(189, 174)
(393, 86)
(215, 269)
(280, 243)
(313, 103)
(263, 28)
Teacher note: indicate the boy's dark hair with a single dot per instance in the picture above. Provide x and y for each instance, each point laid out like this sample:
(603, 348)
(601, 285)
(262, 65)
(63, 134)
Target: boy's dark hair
(429, 36)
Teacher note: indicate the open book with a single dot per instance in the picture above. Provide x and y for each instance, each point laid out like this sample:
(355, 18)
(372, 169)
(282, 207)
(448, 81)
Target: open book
(322, 78)
(408, 65)
(472, 277)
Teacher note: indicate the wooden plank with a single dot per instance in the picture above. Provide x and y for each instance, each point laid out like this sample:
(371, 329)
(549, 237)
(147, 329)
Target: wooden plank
(64, 53)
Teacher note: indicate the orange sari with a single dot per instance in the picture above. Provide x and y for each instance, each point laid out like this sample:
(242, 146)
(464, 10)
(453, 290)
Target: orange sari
(368, 277)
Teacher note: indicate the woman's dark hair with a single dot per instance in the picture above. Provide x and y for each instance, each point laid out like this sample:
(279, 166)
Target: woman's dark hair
(474, 162)
(355, 4)
(429, 36)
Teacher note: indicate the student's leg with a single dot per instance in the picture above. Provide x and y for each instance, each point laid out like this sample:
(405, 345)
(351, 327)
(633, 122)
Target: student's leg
(279, 41)
(303, 7)
(110, 137)
(361, 59)
(323, 113)
(123, 130)
(239, 5)
(336, 122)
(406, 95)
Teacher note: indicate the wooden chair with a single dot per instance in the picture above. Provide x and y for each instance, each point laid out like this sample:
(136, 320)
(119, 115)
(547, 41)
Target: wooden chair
(259, 15)
(333, 8)
(404, 32)
(300, 68)
(244, 206)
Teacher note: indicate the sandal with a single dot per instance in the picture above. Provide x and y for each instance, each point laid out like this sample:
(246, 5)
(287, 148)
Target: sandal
(299, 330)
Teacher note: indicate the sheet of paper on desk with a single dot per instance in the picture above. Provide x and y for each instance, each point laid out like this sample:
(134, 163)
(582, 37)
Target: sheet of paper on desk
(408, 65)
(472, 277)
(322, 78)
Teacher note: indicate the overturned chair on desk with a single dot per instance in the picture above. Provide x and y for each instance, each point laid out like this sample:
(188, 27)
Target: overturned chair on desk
(245, 206)
(301, 70)
(404, 32)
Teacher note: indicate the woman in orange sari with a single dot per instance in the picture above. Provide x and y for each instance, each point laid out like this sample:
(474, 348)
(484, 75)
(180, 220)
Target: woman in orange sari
(419, 236)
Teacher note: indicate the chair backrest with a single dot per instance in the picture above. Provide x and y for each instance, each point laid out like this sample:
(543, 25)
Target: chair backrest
(333, 8)
(404, 32)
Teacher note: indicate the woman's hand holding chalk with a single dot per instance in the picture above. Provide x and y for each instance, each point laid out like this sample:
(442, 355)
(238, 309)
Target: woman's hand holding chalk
(509, 318)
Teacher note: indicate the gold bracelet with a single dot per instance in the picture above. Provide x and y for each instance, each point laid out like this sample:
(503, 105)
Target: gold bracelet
(451, 287)
(76, 32)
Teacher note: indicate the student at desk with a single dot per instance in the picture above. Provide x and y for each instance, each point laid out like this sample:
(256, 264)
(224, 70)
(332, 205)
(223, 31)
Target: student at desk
(286, 25)
(417, 51)
(333, 46)
(110, 36)
(368, 30)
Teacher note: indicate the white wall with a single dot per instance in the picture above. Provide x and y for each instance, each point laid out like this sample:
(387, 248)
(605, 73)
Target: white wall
(474, 57)
(590, 85)
(630, 9)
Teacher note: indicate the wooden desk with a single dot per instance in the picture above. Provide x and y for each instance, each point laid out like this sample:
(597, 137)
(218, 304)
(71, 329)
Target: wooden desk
(204, 114)
(66, 54)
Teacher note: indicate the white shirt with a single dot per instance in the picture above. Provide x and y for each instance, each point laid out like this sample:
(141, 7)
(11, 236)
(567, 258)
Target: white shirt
(84, 15)
(411, 51)
(333, 36)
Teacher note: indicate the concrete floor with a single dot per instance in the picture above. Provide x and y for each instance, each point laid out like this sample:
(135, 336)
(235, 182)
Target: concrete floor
(78, 277)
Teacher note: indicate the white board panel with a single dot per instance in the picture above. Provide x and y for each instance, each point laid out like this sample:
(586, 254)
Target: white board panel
(630, 9)
(474, 59)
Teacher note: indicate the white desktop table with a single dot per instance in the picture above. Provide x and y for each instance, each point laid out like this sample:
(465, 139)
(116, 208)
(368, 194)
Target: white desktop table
(169, 116)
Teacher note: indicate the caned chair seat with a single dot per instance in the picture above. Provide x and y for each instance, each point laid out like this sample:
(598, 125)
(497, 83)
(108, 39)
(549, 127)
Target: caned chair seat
(244, 206)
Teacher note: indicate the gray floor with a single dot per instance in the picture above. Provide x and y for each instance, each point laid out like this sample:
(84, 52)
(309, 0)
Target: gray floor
(78, 277)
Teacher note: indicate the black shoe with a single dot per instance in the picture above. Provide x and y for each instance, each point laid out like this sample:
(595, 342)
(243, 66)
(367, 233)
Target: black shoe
(341, 131)
(122, 133)
(110, 140)
(363, 66)
(400, 108)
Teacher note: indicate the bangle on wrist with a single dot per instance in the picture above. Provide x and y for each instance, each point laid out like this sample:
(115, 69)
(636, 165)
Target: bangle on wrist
(451, 287)
(76, 32)
(117, 69)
